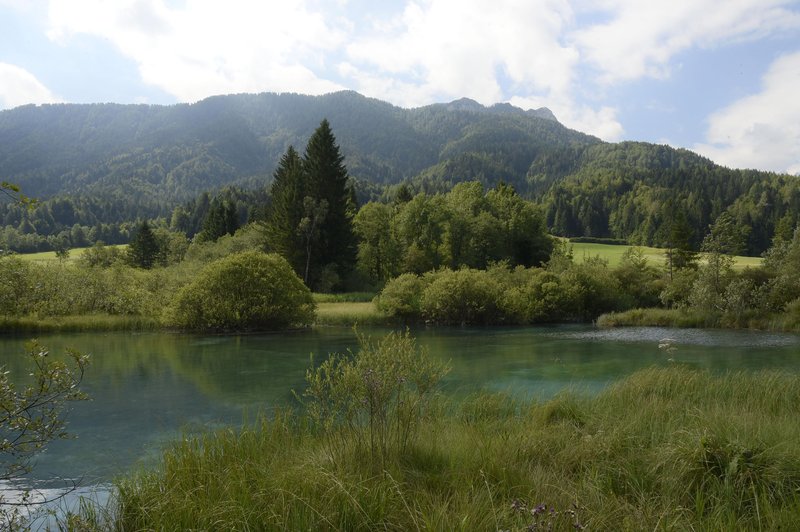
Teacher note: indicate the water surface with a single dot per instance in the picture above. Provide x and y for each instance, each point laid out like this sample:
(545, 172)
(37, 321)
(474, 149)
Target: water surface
(150, 388)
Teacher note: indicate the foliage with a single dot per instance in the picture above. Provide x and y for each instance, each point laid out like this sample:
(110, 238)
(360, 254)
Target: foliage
(464, 227)
(401, 296)
(144, 248)
(376, 399)
(245, 291)
(500, 295)
(310, 218)
(222, 219)
(31, 416)
(462, 296)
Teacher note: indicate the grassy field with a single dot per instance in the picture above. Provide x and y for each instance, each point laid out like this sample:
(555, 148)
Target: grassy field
(349, 313)
(613, 254)
(665, 449)
(50, 256)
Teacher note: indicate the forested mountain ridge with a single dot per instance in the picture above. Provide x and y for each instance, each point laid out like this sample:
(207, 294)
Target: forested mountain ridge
(185, 149)
(114, 163)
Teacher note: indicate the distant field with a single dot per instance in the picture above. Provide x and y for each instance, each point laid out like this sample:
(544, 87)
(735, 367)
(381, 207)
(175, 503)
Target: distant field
(49, 256)
(609, 252)
(613, 254)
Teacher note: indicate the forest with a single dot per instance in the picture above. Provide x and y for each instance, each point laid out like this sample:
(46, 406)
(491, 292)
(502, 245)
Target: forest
(99, 170)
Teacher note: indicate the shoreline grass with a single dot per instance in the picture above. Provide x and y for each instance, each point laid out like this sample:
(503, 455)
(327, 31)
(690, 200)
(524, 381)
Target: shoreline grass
(83, 323)
(670, 448)
(688, 319)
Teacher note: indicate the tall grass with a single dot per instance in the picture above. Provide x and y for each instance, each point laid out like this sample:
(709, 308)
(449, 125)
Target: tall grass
(349, 314)
(672, 449)
(688, 318)
(82, 323)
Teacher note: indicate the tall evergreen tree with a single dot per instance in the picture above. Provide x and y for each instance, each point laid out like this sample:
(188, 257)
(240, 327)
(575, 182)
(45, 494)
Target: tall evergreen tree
(143, 249)
(327, 180)
(286, 211)
(222, 219)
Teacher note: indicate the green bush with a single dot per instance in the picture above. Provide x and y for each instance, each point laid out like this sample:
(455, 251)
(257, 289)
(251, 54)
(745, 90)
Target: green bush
(245, 291)
(15, 286)
(463, 296)
(376, 399)
(400, 298)
(544, 298)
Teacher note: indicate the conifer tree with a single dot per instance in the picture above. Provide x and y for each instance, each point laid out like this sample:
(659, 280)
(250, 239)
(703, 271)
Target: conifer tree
(143, 249)
(222, 219)
(286, 210)
(327, 180)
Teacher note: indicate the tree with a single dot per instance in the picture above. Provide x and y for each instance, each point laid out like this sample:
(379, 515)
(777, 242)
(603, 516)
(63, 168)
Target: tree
(379, 252)
(31, 417)
(679, 253)
(327, 179)
(222, 219)
(309, 228)
(286, 210)
(144, 248)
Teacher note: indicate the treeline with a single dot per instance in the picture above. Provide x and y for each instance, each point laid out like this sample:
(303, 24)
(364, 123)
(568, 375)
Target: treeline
(633, 191)
(703, 291)
(467, 226)
(122, 164)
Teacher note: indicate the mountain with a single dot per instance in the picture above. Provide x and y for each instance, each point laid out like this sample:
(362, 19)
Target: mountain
(119, 162)
(172, 153)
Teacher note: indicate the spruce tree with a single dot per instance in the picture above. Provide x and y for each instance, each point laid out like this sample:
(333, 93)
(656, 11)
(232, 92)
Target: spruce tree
(327, 180)
(143, 249)
(222, 219)
(281, 228)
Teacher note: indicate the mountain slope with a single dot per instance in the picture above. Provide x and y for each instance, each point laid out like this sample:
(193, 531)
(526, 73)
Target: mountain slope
(120, 162)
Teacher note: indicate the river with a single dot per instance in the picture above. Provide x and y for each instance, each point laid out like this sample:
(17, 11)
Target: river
(147, 389)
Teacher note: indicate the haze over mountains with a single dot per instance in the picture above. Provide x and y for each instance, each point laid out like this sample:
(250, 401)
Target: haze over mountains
(152, 158)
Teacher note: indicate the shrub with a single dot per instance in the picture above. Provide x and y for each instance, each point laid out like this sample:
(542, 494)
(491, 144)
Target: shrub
(463, 296)
(400, 297)
(545, 298)
(376, 399)
(245, 291)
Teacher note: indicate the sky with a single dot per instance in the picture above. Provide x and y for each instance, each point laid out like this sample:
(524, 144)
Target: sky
(718, 77)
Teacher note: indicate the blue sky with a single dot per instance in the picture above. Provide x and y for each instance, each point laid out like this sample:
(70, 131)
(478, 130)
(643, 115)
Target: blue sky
(718, 77)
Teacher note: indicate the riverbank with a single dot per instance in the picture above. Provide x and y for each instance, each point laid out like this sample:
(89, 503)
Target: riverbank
(686, 318)
(342, 310)
(665, 448)
(333, 312)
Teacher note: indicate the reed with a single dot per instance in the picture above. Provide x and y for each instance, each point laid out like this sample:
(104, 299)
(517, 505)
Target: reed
(673, 449)
(81, 323)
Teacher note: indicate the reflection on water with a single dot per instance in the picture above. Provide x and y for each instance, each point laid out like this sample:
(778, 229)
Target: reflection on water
(150, 388)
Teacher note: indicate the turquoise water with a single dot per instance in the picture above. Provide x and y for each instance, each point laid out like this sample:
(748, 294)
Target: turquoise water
(148, 389)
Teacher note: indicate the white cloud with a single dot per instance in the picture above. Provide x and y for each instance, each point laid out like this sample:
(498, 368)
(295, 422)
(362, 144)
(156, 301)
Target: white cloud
(18, 87)
(602, 122)
(761, 130)
(446, 49)
(207, 47)
(457, 48)
(641, 36)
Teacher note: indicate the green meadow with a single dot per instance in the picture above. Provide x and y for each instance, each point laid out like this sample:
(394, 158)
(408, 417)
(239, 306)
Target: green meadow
(613, 254)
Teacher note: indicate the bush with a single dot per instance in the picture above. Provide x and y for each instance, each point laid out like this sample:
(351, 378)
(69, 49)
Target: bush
(461, 297)
(245, 291)
(401, 296)
(376, 399)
